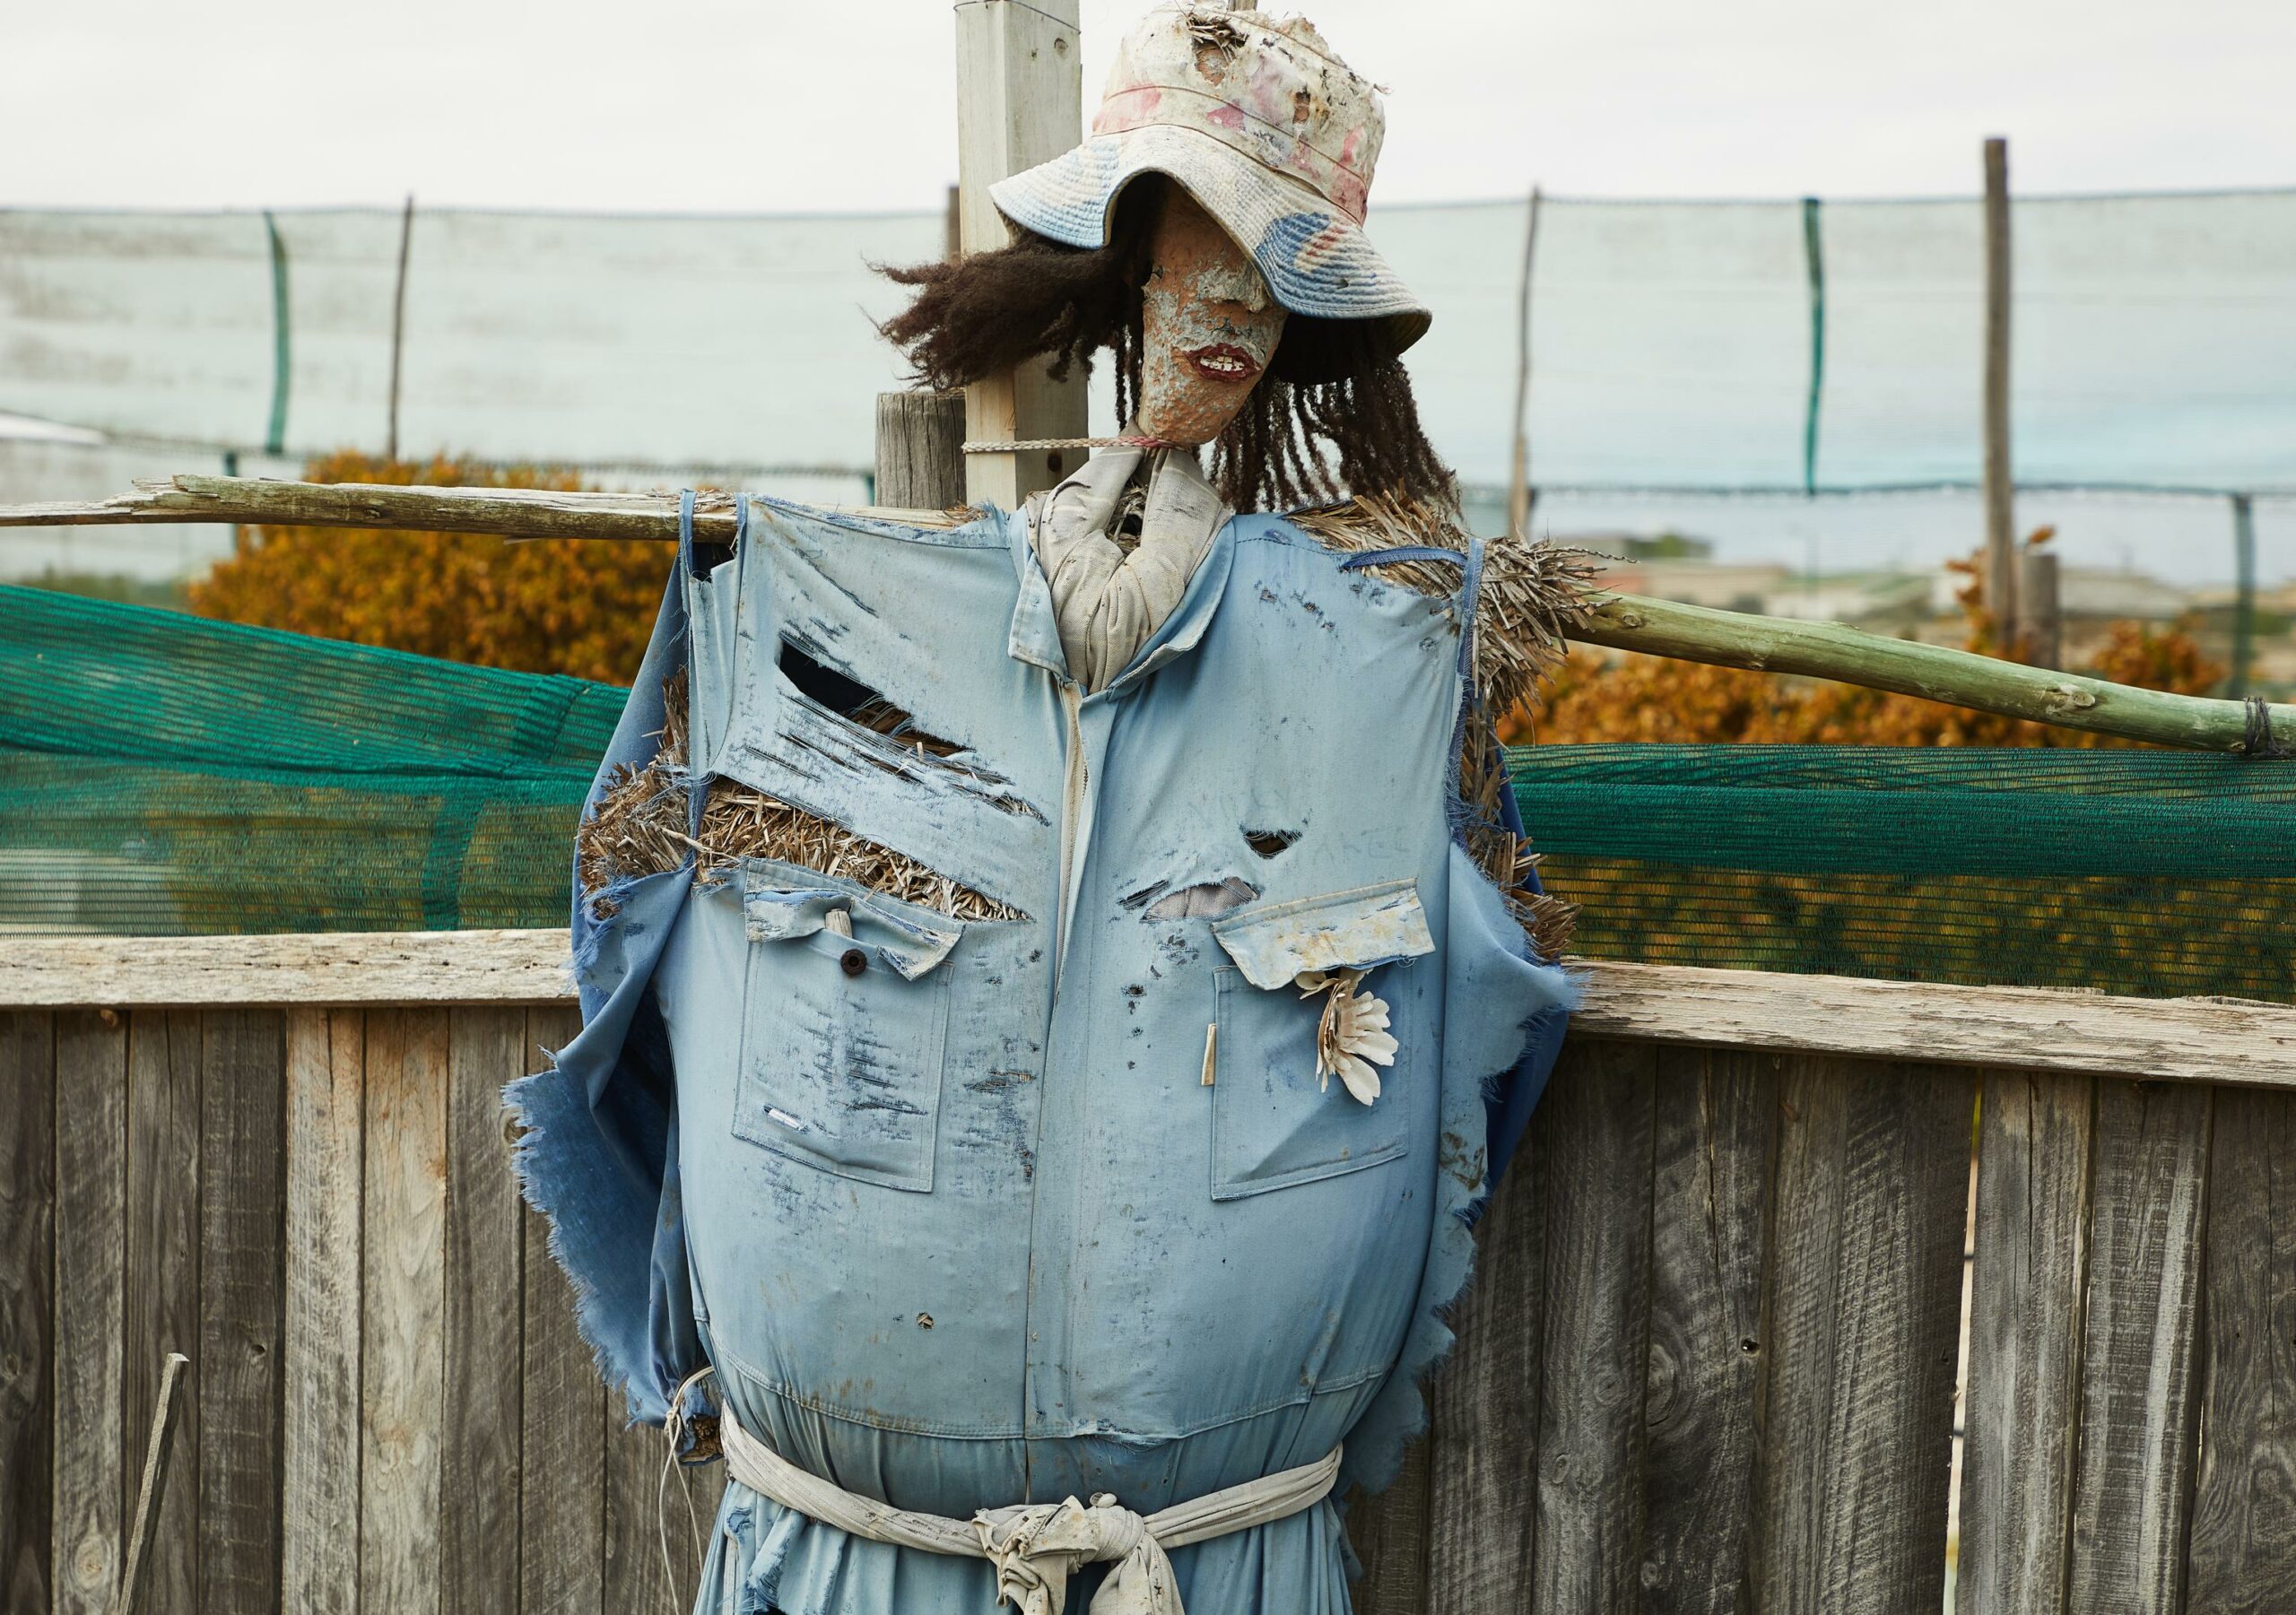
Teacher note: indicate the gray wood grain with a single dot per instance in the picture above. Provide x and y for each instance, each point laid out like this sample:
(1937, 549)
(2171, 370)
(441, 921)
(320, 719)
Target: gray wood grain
(320, 1443)
(2243, 1549)
(27, 1299)
(632, 1570)
(562, 1478)
(1863, 1303)
(561, 1513)
(1593, 1148)
(920, 452)
(91, 1240)
(2139, 1391)
(402, 1403)
(1483, 1448)
(2029, 1293)
(1389, 1533)
(241, 1220)
(485, 1266)
(164, 1176)
(1716, 1131)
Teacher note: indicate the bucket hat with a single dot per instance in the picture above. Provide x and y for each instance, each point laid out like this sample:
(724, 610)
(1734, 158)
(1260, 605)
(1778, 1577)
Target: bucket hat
(1273, 134)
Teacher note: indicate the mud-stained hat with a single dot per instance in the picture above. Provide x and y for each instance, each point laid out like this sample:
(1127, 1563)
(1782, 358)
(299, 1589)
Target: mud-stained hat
(1273, 134)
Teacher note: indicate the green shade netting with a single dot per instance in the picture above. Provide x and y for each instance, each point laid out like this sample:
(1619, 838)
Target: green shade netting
(166, 775)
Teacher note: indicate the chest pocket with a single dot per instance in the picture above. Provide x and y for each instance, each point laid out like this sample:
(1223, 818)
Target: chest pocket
(845, 1023)
(1277, 1121)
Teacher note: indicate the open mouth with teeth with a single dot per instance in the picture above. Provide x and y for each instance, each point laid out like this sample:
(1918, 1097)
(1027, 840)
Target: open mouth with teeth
(1221, 362)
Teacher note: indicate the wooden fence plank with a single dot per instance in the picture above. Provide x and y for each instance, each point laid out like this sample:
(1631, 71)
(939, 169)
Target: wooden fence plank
(632, 1558)
(27, 1317)
(2029, 1293)
(319, 1442)
(241, 1223)
(164, 1176)
(562, 1479)
(2138, 1402)
(1483, 1451)
(1390, 1536)
(403, 1384)
(90, 1241)
(1863, 1299)
(2243, 1553)
(1716, 1131)
(485, 1258)
(1594, 1143)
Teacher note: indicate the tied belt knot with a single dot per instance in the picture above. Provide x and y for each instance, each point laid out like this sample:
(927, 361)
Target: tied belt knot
(1036, 1548)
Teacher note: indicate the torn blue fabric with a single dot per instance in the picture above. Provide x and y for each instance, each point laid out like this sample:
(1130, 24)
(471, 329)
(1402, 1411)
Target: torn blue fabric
(1008, 1185)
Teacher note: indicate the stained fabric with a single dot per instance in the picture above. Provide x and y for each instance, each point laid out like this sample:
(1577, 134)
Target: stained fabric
(1061, 1207)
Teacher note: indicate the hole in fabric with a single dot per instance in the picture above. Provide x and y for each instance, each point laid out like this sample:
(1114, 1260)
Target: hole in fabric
(1268, 843)
(1208, 901)
(856, 702)
(640, 829)
(738, 821)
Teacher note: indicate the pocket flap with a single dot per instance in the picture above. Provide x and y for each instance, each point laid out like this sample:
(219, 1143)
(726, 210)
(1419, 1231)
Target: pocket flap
(1353, 930)
(782, 902)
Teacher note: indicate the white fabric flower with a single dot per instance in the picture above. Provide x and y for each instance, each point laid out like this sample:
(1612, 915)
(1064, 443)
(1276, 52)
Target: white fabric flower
(1351, 1040)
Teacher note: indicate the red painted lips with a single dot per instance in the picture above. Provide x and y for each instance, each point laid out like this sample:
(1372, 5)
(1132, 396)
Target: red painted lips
(1221, 362)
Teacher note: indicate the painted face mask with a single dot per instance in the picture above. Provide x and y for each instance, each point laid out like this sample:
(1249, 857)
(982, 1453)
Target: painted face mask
(1208, 324)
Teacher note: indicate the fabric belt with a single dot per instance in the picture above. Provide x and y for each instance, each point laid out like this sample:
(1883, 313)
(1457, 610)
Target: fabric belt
(1036, 1547)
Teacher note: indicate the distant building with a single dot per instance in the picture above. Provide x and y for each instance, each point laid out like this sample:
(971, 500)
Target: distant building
(2109, 594)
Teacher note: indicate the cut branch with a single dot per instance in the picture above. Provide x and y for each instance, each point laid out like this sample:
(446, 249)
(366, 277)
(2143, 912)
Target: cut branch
(1660, 628)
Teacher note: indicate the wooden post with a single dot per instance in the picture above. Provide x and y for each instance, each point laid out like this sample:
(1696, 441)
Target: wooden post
(2000, 484)
(2038, 612)
(1519, 481)
(920, 454)
(1019, 102)
(2244, 593)
(398, 325)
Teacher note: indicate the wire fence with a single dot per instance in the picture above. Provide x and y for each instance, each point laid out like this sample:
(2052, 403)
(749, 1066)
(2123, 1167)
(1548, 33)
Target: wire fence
(1686, 355)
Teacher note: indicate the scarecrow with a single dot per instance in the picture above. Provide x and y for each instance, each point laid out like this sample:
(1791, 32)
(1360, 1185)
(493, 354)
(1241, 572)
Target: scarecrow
(1058, 984)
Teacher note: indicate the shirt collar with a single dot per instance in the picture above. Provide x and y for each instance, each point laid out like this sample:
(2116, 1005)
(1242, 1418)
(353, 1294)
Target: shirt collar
(1035, 634)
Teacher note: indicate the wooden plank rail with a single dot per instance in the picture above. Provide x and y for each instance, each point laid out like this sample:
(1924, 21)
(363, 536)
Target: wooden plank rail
(2173, 1039)
(1708, 1363)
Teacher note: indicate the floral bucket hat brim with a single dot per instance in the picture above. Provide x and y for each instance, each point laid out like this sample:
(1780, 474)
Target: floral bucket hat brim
(1273, 134)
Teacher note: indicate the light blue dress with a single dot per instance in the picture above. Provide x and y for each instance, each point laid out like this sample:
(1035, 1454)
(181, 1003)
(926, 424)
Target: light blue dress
(969, 1213)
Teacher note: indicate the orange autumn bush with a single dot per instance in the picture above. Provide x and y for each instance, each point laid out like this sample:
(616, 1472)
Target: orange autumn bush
(1651, 699)
(581, 609)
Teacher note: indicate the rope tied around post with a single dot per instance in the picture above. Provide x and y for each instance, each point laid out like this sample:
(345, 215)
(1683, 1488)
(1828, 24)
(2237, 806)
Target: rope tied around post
(2257, 742)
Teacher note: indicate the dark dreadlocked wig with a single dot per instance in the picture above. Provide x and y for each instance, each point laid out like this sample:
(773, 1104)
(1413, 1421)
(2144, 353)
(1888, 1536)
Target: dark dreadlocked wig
(1329, 381)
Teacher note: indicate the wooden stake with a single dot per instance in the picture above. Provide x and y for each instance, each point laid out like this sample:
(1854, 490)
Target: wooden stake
(1660, 628)
(2244, 593)
(2000, 484)
(2038, 607)
(398, 324)
(1019, 102)
(155, 1485)
(1518, 478)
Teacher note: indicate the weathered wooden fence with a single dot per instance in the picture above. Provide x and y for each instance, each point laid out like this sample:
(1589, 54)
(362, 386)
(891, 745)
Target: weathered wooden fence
(1708, 1363)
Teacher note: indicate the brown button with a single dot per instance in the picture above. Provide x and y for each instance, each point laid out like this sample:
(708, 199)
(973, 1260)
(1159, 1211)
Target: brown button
(852, 961)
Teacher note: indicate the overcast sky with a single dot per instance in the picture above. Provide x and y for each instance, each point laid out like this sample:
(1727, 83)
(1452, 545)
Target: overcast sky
(766, 106)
